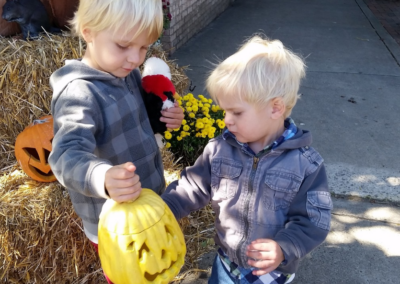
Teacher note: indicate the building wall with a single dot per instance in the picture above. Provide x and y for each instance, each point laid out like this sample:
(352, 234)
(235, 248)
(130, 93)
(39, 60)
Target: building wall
(188, 18)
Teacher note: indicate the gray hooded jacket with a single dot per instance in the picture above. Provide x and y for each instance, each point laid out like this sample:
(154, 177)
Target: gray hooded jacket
(280, 195)
(99, 121)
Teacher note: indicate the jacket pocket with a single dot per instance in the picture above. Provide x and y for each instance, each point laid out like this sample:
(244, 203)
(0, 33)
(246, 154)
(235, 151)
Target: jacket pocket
(319, 206)
(225, 177)
(280, 189)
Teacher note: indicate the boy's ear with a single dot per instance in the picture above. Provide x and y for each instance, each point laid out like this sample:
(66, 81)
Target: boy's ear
(87, 34)
(278, 108)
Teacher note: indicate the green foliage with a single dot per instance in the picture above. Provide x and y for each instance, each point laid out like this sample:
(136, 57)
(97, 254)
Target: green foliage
(167, 14)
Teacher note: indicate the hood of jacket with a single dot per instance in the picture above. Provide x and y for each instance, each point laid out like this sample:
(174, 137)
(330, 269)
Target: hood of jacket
(76, 69)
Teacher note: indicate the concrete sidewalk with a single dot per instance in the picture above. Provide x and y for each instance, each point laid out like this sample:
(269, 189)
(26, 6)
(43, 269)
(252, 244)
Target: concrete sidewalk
(351, 103)
(351, 96)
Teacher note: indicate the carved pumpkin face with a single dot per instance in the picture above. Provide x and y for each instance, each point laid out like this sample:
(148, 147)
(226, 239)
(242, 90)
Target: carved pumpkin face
(33, 147)
(140, 242)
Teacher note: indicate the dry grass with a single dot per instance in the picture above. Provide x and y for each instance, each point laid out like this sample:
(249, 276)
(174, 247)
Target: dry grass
(25, 92)
(41, 237)
(25, 69)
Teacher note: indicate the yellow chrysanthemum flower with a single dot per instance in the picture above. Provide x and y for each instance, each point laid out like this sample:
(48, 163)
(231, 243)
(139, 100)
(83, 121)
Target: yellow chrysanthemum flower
(221, 124)
(186, 127)
(195, 108)
(168, 145)
(199, 125)
(177, 129)
(186, 98)
(167, 135)
(200, 96)
(210, 135)
(188, 104)
(179, 138)
(189, 109)
(191, 115)
(184, 122)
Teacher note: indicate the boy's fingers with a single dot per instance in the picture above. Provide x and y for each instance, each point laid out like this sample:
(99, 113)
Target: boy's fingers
(127, 197)
(124, 194)
(258, 254)
(124, 171)
(260, 244)
(126, 185)
(265, 266)
(257, 241)
(129, 166)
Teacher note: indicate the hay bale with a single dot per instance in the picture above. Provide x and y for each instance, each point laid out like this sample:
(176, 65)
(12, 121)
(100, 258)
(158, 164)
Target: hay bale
(42, 241)
(41, 237)
(25, 92)
(25, 69)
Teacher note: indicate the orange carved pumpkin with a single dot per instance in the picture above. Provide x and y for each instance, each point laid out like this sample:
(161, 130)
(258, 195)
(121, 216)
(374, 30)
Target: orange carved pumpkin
(33, 147)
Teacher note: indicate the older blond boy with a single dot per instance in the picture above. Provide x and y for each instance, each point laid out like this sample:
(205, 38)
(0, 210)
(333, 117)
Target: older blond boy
(267, 186)
(103, 145)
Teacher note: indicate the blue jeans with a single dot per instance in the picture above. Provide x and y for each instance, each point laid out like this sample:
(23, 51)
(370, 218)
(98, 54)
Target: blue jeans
(219, 274)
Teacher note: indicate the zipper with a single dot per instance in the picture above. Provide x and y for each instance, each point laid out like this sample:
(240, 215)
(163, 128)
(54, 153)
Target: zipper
(246, 208)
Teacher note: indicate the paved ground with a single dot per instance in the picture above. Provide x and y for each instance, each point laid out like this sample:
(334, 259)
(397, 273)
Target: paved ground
(350, 98)
(350, 102)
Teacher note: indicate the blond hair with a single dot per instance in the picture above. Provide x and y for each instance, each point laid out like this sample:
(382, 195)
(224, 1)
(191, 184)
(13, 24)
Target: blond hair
(119, 15)
(258, 72)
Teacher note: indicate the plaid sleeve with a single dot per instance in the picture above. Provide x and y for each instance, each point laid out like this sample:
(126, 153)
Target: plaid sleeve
(76, 117)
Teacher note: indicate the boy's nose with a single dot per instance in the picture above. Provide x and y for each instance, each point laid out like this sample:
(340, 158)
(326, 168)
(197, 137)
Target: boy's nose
(228, 120)
(134, 57)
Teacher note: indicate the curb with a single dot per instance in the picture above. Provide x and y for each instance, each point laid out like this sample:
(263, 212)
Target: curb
(386, 38)
(346, 180)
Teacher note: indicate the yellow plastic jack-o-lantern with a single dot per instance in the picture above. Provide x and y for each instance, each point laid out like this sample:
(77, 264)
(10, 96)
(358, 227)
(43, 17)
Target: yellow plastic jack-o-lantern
(140, 242)
(33, 147)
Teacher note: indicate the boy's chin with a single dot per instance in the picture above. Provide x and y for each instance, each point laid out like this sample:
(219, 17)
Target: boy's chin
(120, 74)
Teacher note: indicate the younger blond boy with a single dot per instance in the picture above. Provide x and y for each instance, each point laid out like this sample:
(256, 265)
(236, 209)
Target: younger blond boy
(266, 184)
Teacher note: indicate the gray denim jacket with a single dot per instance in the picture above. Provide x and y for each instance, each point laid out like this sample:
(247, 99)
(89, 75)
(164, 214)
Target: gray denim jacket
(281, 195)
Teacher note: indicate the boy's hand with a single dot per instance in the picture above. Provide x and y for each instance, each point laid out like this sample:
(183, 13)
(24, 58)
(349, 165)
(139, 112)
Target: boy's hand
(173, 116)
(122, 183)
(268, 254)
